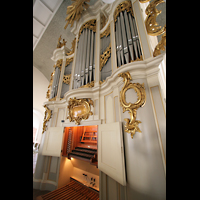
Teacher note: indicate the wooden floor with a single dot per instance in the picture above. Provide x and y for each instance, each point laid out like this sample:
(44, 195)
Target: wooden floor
(74, 190)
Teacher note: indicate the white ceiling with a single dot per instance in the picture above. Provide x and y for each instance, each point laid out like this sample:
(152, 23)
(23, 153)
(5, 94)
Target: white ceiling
(43, 12)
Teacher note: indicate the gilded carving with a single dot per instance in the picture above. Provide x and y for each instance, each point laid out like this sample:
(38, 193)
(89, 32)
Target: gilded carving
(60, 44)
(50, 84)
(47, 116)
(160, 46)
(91, 24)
(131, 125)
(73, 47)
(75, 10)
(79, 109)
(105, 56)
(88, 85)
(126, 5)
(106, 32)
(150, 22)
(59, 64)
(152, 26)
(68, 61)
(67, 78)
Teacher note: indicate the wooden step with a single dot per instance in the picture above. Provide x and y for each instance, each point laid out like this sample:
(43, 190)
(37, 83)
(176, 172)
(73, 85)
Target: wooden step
(84, 155)
(73, 190)
(84, 148)
(84, 151)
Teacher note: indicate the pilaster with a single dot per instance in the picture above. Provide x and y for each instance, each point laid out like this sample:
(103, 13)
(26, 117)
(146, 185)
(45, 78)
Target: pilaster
(97, 52)
(113, 45)
(61, 77)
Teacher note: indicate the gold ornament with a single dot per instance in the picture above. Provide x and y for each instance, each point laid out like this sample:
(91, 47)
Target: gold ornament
(47, 116)
(75, 10)
(131, 125)
(105, 56)
(79, 109)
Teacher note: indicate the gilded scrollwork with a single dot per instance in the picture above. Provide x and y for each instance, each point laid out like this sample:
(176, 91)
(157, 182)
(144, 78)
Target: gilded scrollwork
(88, 85)
(150, 22)
(68, 61)
(73, 47)
(59, 64)
(105, 56)
(126, 5)
(152, 26)
(75, 10)
(160, 46)
(106, 32)
(50, 84)
(61, 44)
(91, 24)
(79, 109)
(47, 116)
(131, 125)
(67, 78)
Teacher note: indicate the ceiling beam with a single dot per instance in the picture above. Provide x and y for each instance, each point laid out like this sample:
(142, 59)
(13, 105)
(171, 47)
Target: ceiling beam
(47, 8)
(38, 21)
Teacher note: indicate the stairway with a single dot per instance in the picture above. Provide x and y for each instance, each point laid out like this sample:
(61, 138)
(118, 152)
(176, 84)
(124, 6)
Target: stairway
(87, 154)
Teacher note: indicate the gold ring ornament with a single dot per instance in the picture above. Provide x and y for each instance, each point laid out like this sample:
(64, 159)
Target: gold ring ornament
(131, 125)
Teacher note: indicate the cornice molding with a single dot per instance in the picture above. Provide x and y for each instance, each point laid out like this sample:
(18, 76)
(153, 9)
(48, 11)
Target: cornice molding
(148, 68)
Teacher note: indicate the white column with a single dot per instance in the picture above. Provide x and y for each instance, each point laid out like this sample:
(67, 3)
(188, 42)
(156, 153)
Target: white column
(97, 52)
(143, 37)
(61, 77)
(113, 45)
(73, 66)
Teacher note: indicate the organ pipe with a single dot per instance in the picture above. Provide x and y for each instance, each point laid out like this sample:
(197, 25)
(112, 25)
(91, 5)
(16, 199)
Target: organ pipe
(55, 83)
(127, 40)
(84, 69)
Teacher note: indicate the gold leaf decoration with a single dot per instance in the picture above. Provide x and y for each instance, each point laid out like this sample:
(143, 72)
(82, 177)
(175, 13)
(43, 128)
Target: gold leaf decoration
(67, 78)
(105, 56)
(106, 32)
(160, 46)
(126, 5)
(47, 116)
(79, 109)
(73, 47)
(131, 125)
(75, 10)
(91, 24)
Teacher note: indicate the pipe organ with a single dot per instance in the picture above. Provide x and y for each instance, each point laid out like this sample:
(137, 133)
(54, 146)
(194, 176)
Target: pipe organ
(127, 47)
(109, 65)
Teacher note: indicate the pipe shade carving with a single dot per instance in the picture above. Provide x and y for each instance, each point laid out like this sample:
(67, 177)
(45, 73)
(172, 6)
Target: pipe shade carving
(47, 116)
(131, 125)
(79, 109)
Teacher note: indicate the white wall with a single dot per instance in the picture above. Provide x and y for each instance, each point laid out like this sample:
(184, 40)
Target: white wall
(40, 86)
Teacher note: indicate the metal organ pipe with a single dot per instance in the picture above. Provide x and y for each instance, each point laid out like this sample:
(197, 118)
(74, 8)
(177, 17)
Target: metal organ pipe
(55, 83)
(133, 35)
(117, 42)
(87, 58)
(91, 56)
(124, 38)
(93, 68)
(127, 40)
(84, 69)
(130, 45)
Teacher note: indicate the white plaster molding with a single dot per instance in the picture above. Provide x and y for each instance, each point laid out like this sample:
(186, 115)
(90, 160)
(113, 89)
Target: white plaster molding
(58, 54)
(148, 68)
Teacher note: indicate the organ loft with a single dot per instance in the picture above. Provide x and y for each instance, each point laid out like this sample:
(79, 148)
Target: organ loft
(104, 128)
